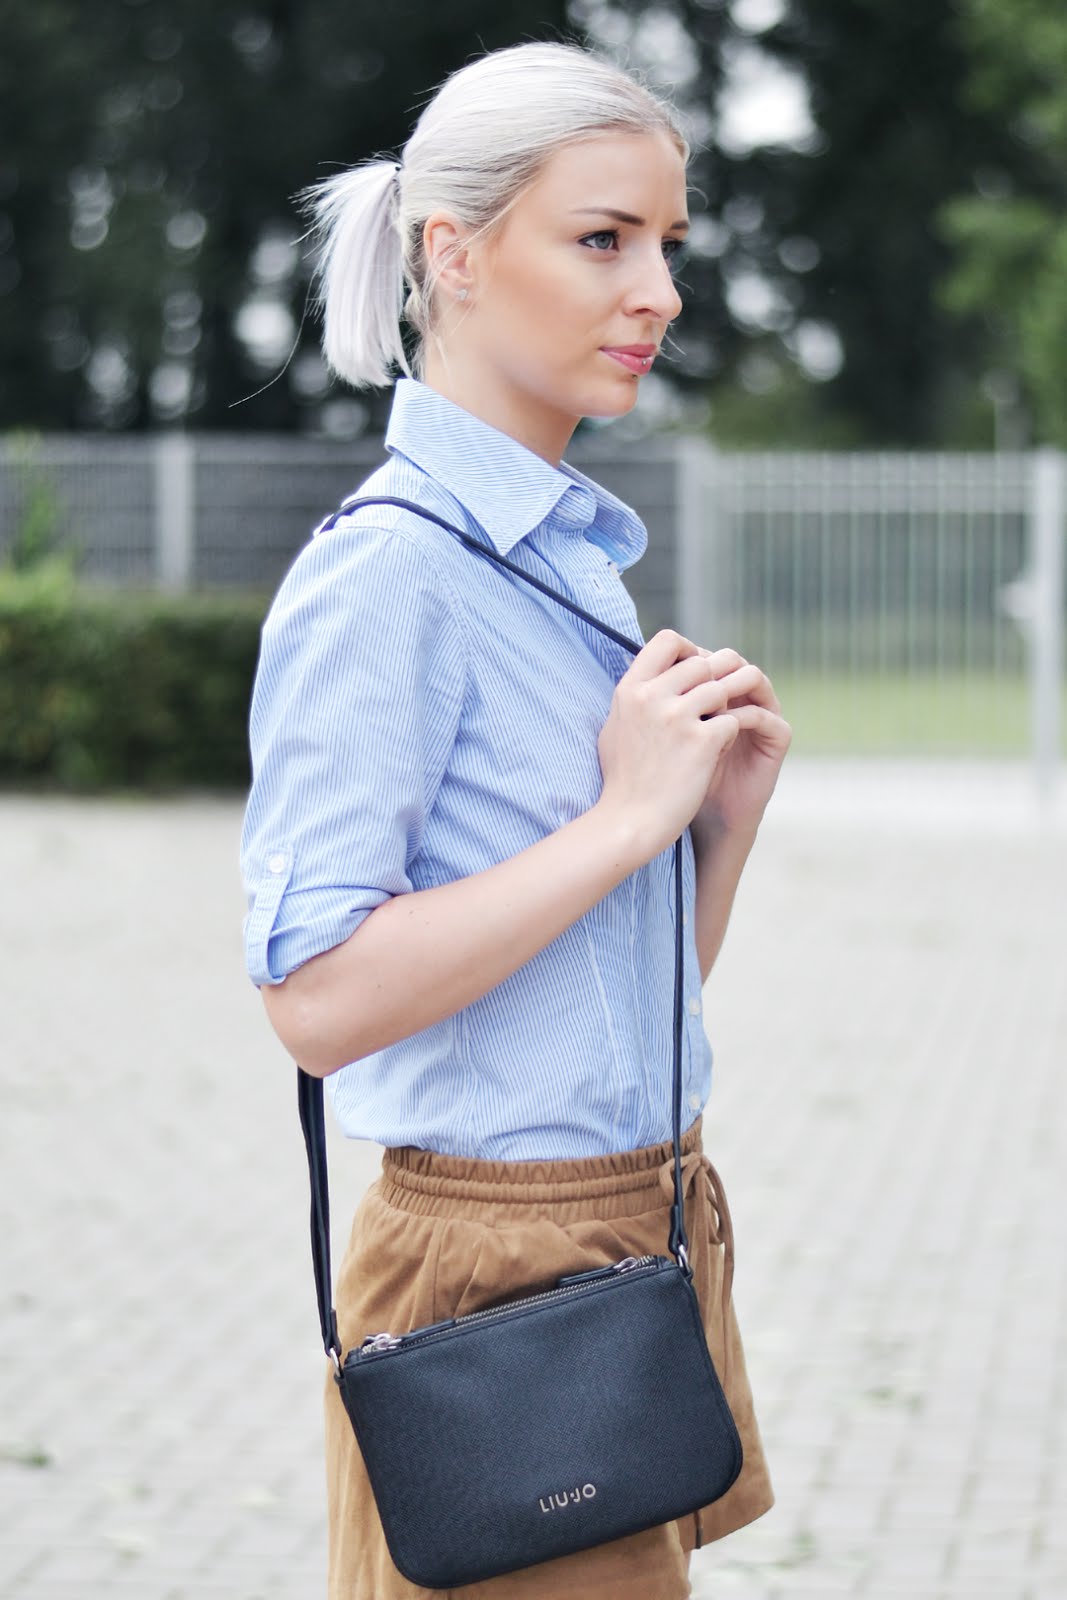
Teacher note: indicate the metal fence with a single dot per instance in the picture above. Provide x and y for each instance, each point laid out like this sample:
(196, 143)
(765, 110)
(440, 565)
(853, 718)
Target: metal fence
(188, 511)
(904, 603)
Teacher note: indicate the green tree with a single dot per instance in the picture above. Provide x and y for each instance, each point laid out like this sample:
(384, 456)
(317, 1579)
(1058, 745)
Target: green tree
(149, 150)
(1010, 234)
(816, 314)
(857, 211)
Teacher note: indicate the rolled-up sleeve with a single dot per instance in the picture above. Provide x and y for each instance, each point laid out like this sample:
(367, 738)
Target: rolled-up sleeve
(356, 705)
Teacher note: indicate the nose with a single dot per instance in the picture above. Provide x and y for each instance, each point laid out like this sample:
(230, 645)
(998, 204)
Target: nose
(654, 292)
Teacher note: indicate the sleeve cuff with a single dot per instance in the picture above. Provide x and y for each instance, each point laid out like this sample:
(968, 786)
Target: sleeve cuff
(320, 921)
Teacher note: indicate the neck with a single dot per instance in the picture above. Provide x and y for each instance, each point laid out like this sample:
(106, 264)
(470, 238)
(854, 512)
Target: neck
(489, 398)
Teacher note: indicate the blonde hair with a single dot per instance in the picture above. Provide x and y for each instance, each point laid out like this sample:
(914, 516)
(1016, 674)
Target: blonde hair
(478, 144)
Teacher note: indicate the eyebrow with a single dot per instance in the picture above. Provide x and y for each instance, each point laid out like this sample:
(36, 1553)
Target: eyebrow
(627, 216)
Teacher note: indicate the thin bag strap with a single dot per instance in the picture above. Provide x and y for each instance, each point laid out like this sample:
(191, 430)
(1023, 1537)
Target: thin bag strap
(309, 1089)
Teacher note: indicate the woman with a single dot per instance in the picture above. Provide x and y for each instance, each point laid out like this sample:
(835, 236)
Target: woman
(457, 845)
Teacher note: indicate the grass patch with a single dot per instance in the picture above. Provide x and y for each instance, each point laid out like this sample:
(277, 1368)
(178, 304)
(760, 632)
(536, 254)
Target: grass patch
(929, 714)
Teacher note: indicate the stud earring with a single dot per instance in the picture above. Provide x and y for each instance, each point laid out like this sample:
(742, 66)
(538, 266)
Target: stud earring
(461, 294)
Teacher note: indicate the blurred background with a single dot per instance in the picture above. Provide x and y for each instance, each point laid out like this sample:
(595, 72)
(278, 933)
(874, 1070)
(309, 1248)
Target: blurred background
(853, 466)
(837, 461)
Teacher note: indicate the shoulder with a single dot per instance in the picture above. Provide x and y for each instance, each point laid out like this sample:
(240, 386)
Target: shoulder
(365, 609)
(385, 559)
(393, 541)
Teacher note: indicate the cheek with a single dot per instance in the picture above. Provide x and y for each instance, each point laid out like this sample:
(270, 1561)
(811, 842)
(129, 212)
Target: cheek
(553, 300)
(532, 296)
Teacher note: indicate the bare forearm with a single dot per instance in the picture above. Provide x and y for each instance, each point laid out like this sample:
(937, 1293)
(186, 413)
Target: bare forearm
(423, 956)
(720, 860)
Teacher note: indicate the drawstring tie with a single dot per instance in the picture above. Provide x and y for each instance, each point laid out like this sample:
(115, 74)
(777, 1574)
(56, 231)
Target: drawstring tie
(720, 1228)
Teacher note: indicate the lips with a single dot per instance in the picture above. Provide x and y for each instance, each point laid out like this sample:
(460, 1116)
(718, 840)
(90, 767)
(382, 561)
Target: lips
(636, 358)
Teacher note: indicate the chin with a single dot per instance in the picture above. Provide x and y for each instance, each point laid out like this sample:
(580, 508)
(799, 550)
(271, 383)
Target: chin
(617, 401)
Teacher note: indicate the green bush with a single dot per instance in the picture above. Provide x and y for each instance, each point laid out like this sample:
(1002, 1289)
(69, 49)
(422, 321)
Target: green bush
(118, 688)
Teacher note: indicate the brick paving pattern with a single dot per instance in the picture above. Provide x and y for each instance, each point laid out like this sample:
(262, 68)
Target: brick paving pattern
(890, 1024)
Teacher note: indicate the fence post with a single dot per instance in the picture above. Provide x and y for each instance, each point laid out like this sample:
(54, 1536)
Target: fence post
(1049, 507)
(174, 510)
(697, 610)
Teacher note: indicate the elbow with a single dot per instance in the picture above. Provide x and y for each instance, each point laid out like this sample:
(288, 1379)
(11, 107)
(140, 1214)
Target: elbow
(334, 1009)
(298, 1021)
(317, 1065)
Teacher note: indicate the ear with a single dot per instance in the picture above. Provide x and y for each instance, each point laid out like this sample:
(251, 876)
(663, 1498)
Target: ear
(448, 255)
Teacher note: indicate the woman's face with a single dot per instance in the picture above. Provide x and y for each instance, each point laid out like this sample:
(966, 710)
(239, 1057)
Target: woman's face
(568, 301)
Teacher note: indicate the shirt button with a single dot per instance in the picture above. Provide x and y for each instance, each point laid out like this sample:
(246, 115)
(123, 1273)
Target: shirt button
(694, 1102)
(694, 1005)
(685, 919)
(276, 864)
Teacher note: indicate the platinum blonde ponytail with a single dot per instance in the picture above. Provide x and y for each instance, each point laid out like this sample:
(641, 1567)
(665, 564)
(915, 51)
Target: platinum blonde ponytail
(478, 144)
(362, 273)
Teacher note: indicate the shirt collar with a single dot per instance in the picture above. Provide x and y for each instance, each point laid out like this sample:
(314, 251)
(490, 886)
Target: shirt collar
(508, 489)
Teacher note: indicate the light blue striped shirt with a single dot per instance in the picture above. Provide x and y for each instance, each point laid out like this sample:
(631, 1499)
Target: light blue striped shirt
(418, 716)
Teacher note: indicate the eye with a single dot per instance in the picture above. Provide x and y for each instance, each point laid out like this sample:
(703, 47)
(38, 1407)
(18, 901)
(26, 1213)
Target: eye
(603, 241)
(674, 252)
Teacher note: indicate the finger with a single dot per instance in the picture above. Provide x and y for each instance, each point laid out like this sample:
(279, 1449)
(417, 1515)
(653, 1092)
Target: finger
(766, 724)
(750, 683)
(721, 732)
(737, 688)
(660, 653)
(724, 661)
(686, 675)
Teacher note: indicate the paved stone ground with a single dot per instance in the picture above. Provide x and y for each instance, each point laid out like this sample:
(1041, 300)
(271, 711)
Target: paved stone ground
(890, 1020)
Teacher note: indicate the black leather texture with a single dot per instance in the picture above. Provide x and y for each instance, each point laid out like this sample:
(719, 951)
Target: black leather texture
(500, 1441)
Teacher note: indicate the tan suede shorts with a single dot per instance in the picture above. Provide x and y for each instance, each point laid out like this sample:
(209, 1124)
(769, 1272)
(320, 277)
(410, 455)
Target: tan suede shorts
(439, 1236)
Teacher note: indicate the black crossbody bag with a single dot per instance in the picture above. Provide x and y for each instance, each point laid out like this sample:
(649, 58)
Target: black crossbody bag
(584, 1411)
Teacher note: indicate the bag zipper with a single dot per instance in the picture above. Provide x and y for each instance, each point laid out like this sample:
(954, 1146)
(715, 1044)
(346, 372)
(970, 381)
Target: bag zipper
(382, 1343)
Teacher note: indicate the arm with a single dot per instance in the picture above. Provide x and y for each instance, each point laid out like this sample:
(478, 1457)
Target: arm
(424, 954)
(725, 825)
(720, 860)
(356, 705)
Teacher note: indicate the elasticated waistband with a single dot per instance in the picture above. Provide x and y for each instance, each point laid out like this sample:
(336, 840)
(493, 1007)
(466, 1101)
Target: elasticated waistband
(616, 1184)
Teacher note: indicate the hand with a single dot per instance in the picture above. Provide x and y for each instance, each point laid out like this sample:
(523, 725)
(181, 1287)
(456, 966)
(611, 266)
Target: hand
(667, 736)
(744, 781)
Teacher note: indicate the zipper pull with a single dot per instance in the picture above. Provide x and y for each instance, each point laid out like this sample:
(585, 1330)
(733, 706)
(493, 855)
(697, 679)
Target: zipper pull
(378, 1341)
(599, 1272)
